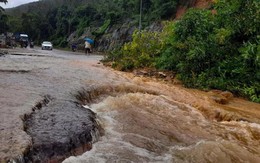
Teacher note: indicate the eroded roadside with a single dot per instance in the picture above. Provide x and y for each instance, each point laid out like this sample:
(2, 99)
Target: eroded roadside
(60, 129)
(40, 118)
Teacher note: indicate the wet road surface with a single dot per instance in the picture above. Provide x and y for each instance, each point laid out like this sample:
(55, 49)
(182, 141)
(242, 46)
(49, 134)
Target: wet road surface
(27, 77)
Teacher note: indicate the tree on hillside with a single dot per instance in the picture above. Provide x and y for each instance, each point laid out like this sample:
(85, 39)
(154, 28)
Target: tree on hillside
(3, 23)
(2, 1)
(3, 18)
(218, 51)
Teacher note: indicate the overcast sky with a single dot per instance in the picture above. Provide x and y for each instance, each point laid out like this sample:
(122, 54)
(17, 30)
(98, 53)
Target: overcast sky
(14, 3)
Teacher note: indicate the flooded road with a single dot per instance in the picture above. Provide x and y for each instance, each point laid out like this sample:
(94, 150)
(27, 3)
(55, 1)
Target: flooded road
(62, 106)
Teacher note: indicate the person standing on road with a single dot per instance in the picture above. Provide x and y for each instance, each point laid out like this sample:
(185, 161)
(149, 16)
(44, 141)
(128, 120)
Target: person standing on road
(87, 48)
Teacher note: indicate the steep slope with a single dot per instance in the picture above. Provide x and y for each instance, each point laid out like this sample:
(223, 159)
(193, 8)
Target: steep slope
(109, 23)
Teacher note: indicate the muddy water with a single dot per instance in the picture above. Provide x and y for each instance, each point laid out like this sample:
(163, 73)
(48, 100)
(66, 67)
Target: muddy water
(143, 120)
(160, 123)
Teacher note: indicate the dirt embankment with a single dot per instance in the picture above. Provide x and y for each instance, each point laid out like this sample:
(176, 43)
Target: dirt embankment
(191, 4)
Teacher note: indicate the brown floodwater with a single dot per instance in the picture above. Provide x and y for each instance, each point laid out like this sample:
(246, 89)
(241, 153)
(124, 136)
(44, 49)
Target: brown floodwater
(57, 106)
(150, 121)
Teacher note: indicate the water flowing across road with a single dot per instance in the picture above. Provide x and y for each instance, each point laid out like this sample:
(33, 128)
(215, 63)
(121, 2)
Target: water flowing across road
(70, 108)
(148, 124)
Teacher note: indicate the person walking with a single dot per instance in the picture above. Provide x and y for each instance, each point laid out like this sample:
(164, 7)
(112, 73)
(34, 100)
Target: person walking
(87, 48)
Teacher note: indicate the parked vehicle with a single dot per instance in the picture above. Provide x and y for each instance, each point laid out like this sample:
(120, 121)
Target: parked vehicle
(46, 45)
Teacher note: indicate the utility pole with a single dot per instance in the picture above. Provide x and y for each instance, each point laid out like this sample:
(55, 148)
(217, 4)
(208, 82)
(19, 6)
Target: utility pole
(140, 19)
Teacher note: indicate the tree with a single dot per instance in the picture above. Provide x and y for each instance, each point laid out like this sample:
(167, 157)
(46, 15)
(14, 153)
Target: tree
(3, 18)
(3, 23)
(2, 1)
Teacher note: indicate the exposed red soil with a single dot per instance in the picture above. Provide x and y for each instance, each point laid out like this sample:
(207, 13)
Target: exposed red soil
(195, 4)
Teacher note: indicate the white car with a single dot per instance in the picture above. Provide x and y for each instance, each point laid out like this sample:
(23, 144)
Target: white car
(47, 45)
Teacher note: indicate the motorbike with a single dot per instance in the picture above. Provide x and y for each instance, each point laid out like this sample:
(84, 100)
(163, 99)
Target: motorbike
(73, 48)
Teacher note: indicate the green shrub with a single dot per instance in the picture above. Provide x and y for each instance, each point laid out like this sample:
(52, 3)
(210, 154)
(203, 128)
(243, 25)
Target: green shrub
(143, 50)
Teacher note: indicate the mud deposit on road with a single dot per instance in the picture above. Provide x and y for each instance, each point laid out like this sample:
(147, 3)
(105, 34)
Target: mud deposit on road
(59, 129)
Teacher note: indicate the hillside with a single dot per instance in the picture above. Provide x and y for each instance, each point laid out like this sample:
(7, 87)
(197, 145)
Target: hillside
(110, 23)
(43, 6)
(208, 47)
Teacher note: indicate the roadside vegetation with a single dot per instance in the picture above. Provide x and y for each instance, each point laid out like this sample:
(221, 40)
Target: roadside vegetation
(215, 48)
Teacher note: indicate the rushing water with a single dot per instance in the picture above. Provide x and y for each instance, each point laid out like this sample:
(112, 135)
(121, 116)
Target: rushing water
(145, 127)
(42, 117)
